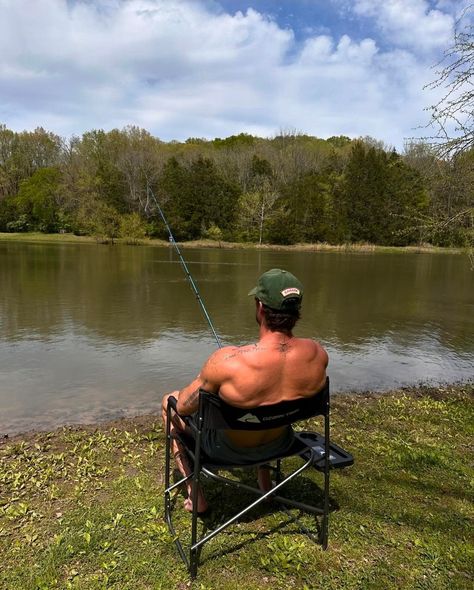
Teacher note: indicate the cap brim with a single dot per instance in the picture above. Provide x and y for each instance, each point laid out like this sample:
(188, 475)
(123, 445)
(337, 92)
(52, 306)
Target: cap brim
(252, 292)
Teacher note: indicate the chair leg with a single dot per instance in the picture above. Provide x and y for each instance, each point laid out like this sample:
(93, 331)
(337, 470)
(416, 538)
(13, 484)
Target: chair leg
(167, 463)
(193, 563)
(169, 488)
(193, 555)
(325, 524)
(326, 511)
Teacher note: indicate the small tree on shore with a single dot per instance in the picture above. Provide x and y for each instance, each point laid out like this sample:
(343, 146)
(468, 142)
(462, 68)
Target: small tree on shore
(132, 228)
(256, 209)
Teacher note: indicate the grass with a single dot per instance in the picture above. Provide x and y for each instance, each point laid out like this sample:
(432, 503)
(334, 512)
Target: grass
(47, 238)
(317, 247)
(81, 507)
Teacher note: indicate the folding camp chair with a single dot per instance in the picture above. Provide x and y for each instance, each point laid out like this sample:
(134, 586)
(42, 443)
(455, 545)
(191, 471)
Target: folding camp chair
(316, 451)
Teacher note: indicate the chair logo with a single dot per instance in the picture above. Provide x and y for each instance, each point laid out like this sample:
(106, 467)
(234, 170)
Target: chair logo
(249, 418)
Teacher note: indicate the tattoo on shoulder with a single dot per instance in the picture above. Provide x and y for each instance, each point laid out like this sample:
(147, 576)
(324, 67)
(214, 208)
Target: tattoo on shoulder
(242, 351)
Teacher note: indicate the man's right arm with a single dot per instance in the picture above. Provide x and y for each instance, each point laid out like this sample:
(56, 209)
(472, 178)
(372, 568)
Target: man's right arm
(210, 378)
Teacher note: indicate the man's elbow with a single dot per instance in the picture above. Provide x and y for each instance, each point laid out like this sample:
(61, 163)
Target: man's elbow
(183, 410)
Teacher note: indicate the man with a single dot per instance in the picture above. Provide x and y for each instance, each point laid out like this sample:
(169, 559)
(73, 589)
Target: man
(278, 367)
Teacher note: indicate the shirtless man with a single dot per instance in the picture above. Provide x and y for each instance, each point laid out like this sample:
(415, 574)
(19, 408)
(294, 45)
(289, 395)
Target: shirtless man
(278, 367)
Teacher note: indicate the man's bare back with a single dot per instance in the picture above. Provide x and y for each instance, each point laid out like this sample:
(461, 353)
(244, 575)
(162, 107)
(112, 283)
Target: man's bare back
(278, 367)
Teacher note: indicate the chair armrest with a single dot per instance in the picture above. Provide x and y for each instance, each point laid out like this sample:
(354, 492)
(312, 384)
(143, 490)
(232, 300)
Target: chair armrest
(173, 402)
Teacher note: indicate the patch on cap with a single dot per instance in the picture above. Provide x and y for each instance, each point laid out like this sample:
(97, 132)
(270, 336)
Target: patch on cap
(290, 291)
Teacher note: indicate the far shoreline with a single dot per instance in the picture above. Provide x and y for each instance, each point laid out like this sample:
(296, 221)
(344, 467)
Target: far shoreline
(37, 237)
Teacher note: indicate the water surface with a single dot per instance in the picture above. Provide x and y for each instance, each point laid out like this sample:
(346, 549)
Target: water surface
(91, 332)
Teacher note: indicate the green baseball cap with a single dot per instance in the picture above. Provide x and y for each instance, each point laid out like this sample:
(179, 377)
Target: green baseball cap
(279, 289)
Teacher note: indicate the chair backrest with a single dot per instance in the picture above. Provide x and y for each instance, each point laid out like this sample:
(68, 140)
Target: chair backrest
(219, 415)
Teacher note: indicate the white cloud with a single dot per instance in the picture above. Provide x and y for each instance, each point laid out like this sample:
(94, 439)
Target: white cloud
(180, 69)
(410, 23)
(454, 7)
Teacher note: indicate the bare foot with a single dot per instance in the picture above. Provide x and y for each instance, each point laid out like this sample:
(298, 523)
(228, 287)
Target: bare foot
(202, 504)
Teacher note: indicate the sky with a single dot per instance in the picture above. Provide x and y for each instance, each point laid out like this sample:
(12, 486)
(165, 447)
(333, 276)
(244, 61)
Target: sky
(214, 68)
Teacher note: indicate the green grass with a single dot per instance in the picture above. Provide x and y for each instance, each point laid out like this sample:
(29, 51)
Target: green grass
(317, 247)
(81, 507)
(41, 237)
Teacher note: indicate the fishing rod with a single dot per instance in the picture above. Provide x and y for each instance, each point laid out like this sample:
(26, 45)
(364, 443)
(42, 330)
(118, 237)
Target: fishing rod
(184, 265)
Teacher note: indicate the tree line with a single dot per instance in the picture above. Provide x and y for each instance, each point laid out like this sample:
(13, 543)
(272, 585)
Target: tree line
(288, 189)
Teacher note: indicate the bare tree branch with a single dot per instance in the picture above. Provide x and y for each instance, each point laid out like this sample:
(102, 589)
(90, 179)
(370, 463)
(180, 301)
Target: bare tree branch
(452, 116)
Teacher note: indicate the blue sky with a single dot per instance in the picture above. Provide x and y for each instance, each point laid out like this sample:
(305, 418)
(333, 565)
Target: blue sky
(304, 17)
(212, 68)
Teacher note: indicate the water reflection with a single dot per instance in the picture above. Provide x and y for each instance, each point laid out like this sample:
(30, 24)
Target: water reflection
(89, 331)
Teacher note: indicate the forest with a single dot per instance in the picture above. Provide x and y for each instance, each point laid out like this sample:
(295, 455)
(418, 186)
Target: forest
(291, 188)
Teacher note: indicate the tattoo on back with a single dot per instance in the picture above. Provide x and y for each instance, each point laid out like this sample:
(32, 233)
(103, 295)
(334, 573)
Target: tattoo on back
(283, 347)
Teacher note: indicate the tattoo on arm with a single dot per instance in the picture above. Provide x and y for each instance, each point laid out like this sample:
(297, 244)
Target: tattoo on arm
(191, 399)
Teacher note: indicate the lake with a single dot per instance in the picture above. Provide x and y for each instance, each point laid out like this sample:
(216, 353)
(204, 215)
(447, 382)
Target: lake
(91, 332)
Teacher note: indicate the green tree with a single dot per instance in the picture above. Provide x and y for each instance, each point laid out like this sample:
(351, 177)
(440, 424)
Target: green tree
(256, 209)
(100, 173)
(380, 197)
(233, 141)
(106, 223)
(37, 200)
(22, 154)
(132, 228)
(310, 202)
(8, 140)
(140, 163)
(210, 198)
(172, 185)
(363, 193)
(10, 217)
(214, 233)
(407, 201)
(197, 197)
(449, 220)
(260, 168)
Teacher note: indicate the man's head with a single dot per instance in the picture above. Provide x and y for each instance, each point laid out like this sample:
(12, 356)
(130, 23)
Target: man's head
(280, 294)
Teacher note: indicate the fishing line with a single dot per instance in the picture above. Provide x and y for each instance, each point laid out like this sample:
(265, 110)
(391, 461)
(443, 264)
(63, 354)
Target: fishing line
(184, 265)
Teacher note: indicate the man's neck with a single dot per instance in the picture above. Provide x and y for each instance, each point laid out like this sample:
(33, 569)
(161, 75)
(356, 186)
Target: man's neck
(265, 333)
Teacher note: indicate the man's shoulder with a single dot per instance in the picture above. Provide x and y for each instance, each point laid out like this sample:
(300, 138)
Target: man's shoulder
(223, 364)
(223, 357)
(314, 349)
(229, 354)
(309, 343)
(222, 354)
